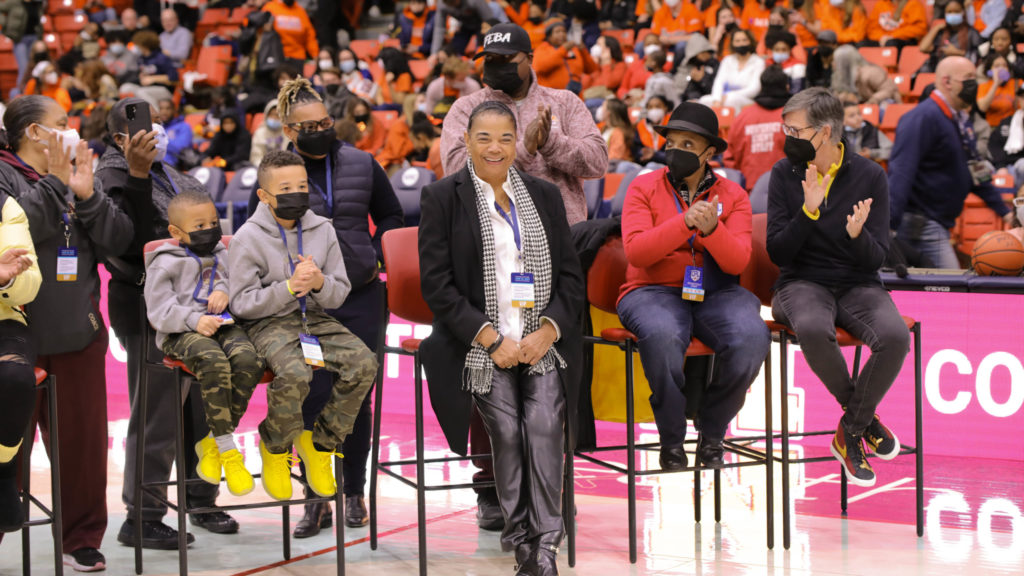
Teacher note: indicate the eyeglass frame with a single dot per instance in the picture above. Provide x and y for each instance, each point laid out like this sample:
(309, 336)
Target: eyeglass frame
(325, 123)
(795, 132)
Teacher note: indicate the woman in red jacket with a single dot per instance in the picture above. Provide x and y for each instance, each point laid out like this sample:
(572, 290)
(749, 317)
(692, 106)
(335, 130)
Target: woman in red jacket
(686, 235)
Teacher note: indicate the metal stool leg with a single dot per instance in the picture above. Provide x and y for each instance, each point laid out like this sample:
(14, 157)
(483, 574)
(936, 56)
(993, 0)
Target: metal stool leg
(784, 409)
(718, 496)
(421, 506)
(630, 452)
(339, 507)
(27, 440)
(696, 495)
(918, 432)
(286, 532)
(140, 453)
(769, 452)
(56, 518)
(179, 449)
(378, 402)
(570, 506)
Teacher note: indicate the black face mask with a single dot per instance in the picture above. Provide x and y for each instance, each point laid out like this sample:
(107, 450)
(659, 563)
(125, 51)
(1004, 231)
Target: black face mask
(289, 3)
(731, 26)
(292, 206)
(203, 242)
(364, 118)
(969, 91)
(799, 151)
(332, 89)
(682, 164)
(316, 143)
(775, 28)
(503, 77)
(826, 51)
(537, 20)
(742, 50)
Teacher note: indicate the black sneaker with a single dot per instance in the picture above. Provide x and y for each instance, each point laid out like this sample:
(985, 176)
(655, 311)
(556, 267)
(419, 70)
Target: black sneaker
(155, 535)
(86, 560)
(849, 450)
(216, 522)
(881, 440)
(488, 511)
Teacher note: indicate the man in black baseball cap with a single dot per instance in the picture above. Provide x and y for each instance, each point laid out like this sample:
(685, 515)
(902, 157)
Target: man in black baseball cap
(686, 233)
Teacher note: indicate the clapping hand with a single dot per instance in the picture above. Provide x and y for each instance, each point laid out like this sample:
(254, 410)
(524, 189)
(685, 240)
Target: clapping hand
(81, 183)
(814, 191)
(855, 221)
(12, 263)
(307, 277)
(537, 131)
(703, 215)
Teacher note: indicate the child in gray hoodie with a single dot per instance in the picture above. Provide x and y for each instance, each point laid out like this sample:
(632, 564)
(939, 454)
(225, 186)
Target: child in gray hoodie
(286, 267)
(186, 301)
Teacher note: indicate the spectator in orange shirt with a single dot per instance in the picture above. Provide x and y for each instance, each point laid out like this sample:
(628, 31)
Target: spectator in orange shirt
(298, 38)
(712, 9)
(846, 18)
(560, 63)
(46, 81)
(397, 146)
(754, 17)
(606, 81)
(807, 22)
(725, 22)
(900, 23)
(997, 95)
(372, 133)
(396, 84)
(613, 119)
(647, 147)
(675, 21)
(535, 23)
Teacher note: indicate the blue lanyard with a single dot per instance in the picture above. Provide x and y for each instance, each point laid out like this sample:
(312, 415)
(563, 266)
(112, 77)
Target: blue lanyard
(329, 193)
(169, 181)
(199, 285)
(291, 264)
(513, 221)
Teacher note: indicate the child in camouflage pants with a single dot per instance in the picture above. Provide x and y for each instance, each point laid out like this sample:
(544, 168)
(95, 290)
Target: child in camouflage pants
(186, 299)
(286, 268)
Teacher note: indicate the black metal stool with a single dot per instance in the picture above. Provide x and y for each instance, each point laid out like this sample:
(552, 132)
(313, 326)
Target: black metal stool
(44, 383)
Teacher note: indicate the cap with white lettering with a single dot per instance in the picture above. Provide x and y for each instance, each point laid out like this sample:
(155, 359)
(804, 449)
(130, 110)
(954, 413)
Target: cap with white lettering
(506, 40)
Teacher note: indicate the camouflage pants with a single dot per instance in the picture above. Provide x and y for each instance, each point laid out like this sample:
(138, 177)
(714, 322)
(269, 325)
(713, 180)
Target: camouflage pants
(227, 368)
(277, 339)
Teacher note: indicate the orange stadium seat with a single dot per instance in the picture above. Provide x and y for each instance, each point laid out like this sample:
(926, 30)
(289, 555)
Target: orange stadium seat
(612, 181)
(420, 69)
(920, 83)
(216, 62)
(870, 113)
(385, 117)
(975, 220)
(884, 57)
(892, 116)
(1004, 182)
(911, 60)
(364, 49)
(725, 117)
(625, 37)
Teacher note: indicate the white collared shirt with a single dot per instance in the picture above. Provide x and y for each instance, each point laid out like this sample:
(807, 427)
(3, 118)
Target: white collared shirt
(507, 260)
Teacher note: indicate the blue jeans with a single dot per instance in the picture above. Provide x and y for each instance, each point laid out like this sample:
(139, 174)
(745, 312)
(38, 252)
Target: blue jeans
(930, 238)
(22, 53)
(728, 321)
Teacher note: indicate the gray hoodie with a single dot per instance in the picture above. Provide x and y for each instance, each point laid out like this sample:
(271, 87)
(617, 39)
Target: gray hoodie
(258, 264)
(171, 279)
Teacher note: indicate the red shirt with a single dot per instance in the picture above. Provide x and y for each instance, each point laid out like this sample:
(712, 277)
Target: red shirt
(657, 241)
(755, 142)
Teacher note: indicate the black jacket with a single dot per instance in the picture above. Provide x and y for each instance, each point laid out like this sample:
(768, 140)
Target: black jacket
(453, 287)
(818, 74)
(820, 250)
(997, 141)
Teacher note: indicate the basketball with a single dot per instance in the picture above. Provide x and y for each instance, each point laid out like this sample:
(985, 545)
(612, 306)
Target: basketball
(997, 253)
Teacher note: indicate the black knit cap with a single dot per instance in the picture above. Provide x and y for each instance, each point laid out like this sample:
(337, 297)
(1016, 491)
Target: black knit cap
(696, 118)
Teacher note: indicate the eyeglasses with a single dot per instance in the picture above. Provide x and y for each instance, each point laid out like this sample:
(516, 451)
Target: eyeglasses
(313, 125)
(794, 131)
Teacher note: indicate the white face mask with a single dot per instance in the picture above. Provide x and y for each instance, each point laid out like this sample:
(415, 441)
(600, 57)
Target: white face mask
(648, 50)
(656, 115)
(600, 114)
(70, 136)
(672, 3)
(836, 3)
(326, 63)
(51, 78)
(161, 142)
(595, 51)
(348, 66)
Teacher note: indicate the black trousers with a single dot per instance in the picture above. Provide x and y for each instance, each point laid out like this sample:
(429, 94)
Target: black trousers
(524, 416)
(361, 315)
(17, 381)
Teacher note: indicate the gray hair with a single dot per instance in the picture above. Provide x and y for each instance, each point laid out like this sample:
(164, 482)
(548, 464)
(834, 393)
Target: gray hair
(822, 107)
(846, 65)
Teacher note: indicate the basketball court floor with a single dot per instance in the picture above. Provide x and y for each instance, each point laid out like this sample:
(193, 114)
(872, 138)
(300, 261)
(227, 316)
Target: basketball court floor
(974, 516)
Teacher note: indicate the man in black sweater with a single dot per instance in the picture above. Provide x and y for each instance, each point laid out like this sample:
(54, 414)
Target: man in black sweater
(828, 230)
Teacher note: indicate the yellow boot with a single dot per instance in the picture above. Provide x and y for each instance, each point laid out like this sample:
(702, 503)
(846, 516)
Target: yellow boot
(319, 474)
(209, 460)
(237, 476)
(277, 473)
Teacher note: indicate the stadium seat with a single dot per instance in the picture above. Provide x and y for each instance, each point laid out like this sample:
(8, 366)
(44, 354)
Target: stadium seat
(870, 113)
(254, 121)
(216, 63)
(911, 60)
(892, 116)
(420, 69)
(903, 83)
(1004, 182)
(733, 175)
(759, 194)
(364, 49)
(233, 202)
(408, 184)
(625, 37)
(620, 195)
(635, 113)
(211, 177)
(725, 117)
(921, 82)
(975, 220)
(611, 184)
(47, 384)
(885, 57)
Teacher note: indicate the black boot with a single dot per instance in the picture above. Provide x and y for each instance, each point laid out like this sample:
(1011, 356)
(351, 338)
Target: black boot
(11, 517)
(543, 562)
(524, 555)
(317, 516)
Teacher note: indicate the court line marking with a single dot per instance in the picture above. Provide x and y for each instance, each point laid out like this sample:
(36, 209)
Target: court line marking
(366, 538)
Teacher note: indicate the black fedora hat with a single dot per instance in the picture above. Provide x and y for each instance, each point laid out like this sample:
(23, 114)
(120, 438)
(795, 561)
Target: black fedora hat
(696, 118)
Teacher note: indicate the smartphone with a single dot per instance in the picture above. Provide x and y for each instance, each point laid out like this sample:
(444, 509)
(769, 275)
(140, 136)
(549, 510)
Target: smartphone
(138, 119)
